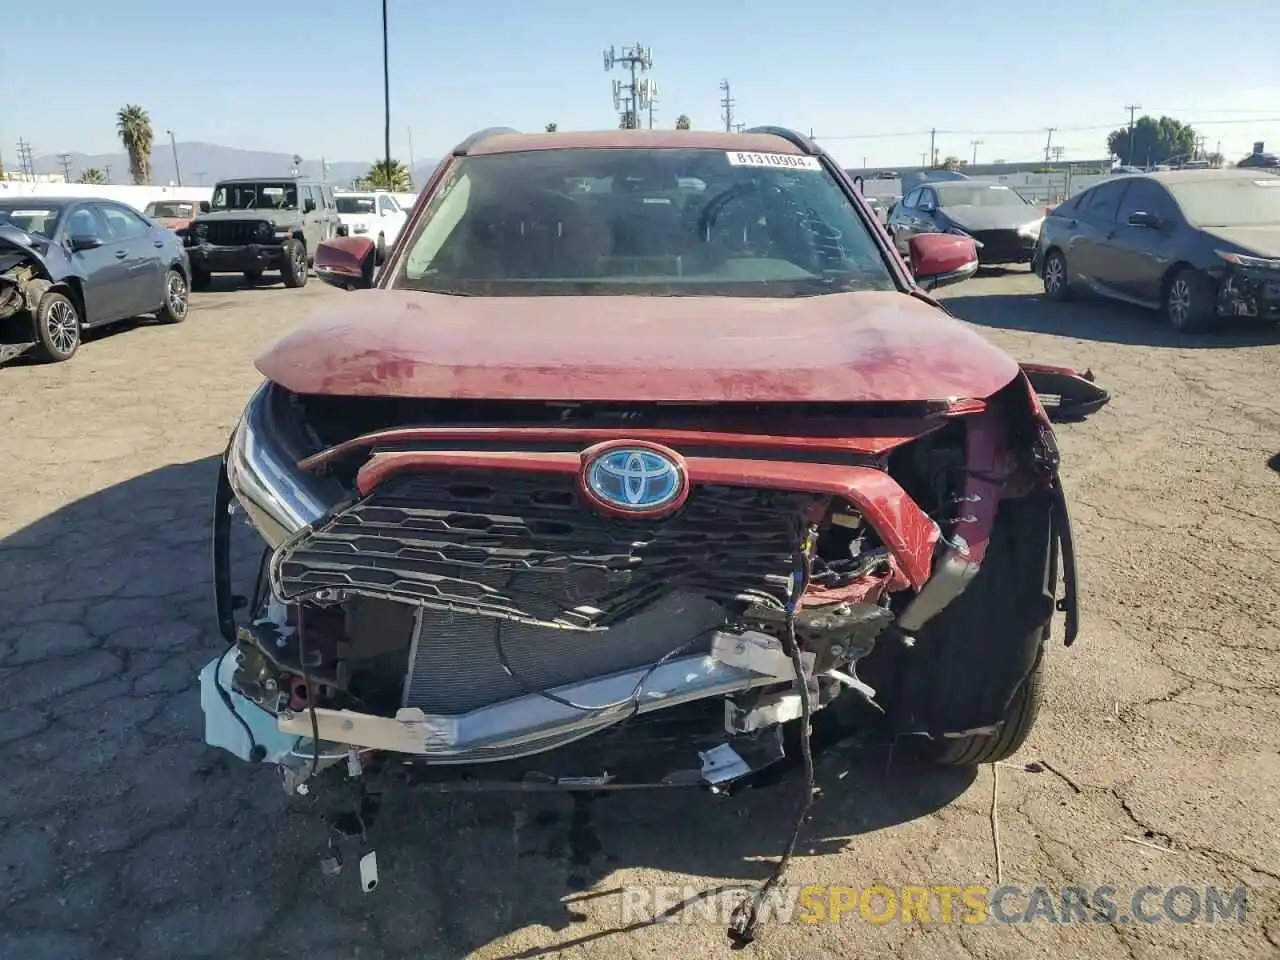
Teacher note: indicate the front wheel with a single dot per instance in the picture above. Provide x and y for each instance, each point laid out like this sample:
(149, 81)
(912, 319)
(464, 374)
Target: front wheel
(176, 300)
(294, 269)
(57, 328)
(1188, 302)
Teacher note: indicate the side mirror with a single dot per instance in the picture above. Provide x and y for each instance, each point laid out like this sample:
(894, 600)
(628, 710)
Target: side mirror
(84, 241)
(346, 262)
(1140, 218)
(941, 259)
(308, 206)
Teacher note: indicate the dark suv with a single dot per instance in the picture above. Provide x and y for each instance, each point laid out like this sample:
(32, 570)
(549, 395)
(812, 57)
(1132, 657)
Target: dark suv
(261, 223)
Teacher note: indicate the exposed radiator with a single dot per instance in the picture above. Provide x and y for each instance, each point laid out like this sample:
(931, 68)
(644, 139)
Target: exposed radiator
(454, 665)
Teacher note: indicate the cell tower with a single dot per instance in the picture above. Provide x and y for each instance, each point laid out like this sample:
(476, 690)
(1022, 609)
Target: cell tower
(630, 98)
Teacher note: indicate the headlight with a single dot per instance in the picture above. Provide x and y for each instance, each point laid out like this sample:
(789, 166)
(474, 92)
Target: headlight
(1031, 229)
(1248, 262)
(261, 470)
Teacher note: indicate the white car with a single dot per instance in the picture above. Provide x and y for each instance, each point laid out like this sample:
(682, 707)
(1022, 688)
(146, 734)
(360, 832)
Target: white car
(374, 214)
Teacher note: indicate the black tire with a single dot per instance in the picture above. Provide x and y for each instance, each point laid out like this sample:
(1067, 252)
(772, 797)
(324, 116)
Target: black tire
(294, 269)
(252, 276)
(381, 255)
(177, 298)
(200, 279)
(1020, 717)
(1057, 285)
(57, 324)
(1189, 301)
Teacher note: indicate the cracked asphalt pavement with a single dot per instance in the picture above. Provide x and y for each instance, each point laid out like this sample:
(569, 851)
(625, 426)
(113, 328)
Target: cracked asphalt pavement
(1156, 759)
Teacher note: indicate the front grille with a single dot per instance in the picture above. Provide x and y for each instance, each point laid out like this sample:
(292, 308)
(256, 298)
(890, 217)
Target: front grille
(1003, 245)
(231, 233)
(522, 547)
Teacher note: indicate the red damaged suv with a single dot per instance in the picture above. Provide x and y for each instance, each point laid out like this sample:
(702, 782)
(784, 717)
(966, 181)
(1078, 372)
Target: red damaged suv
(641, 447)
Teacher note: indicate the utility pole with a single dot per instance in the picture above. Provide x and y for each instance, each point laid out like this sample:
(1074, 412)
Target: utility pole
(726, 105)
(1133, 108)
(200, 178)
(177, 170)
(652, 91)
(106, 169)
(1048, 143)
(922, 156)
(64, 159)
(975, 144)
(1057, 154)
(933, 150)
(636, 59)
(410, 129)
(25, 162)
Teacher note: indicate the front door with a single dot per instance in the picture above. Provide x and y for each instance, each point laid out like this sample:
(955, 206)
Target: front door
(104, 268)
(1086, 251)
(1141, 255)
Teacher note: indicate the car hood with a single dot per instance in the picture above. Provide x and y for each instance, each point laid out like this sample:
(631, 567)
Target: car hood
(992, 218)
(18, 245)
(275, 216)
(1261, 241)
(846, 347)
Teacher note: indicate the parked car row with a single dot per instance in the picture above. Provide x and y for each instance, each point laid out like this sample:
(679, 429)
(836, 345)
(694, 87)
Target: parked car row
(74, 263)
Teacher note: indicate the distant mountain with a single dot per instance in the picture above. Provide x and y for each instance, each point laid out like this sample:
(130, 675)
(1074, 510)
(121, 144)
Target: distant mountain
(208, 162)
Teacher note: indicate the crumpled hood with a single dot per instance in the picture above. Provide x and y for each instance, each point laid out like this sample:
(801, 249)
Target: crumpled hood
(1259, 241)
(18, 245)
(973, 218)
(874, 346)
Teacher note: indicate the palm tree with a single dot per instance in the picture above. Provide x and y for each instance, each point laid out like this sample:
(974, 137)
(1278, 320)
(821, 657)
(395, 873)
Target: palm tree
(92, 175)
(134, 126)
(683, 122)
(396, 180)
(552, 127)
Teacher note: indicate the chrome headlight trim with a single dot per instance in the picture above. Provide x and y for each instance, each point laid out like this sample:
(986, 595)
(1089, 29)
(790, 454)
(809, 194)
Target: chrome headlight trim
(261, 470)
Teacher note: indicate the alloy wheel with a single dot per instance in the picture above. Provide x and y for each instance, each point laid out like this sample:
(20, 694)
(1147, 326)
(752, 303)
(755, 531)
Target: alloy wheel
(1053, 275)
(1179, 302)
(64, 327)
(176, 295)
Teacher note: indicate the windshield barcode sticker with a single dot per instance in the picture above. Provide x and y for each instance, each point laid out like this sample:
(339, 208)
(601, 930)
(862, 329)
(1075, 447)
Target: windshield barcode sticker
(783, 161)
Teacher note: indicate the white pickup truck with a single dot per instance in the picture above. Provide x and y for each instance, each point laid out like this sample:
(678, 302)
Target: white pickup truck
(372, 213)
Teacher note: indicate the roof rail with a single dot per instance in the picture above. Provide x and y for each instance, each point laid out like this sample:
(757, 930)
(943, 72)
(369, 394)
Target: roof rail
(462, 149)
(797, 139)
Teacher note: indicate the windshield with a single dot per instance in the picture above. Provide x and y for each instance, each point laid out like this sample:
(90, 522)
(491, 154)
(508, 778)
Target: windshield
(172, 208)
(256, 196)
(1229, 202)
(977, 195)
(361, 206)
(34, 218)
(652, 222)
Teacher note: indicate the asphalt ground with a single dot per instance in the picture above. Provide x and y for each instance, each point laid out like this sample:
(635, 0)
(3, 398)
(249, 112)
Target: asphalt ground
(1156, 762)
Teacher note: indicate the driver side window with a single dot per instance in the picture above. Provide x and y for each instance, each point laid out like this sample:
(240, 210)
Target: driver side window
(84, 223)
(909, 202)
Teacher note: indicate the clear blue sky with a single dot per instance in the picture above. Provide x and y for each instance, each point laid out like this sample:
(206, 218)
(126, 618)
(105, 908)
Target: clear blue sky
(308, 77)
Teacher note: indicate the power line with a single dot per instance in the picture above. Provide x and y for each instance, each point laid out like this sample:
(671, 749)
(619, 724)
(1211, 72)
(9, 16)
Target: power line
(26, 160)
(975, 144)
(1025, 131)
(726, 105)
(1132, 108)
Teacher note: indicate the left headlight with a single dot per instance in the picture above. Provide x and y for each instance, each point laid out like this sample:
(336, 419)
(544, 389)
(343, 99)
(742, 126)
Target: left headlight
(261, 469)
(1031, 229)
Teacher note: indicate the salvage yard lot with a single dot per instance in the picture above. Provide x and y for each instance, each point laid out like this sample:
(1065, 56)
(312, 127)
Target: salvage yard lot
(122, 835)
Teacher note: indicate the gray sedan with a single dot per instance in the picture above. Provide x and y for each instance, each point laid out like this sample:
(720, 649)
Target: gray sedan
(68, 264)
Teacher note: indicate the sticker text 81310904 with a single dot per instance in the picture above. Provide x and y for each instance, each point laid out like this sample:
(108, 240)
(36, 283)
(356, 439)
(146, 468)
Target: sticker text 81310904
(781, 161)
